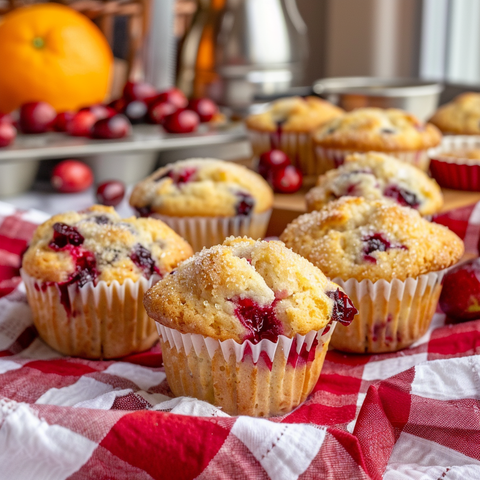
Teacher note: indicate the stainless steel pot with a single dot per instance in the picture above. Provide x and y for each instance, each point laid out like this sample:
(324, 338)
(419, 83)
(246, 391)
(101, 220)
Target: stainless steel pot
(413, 95)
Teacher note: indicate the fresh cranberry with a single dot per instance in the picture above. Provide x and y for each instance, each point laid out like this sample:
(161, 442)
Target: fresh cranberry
(460, 298)
(245, 204)
(118, 105)
(61, 121)
(64, 235)
(174, 96)
(136, 111)
(343, 309)
(287, 179)
(36, 117)
(81, 124)
(181, 121)
(139, 91)
(117, 126)
(71, 176)
(7, 133)
(159, 110)
(100, 111)
(377, 243)
(261, 322)
(204, 107)
(110, 193)
(402, 196)
(270, 161)
(142, 258)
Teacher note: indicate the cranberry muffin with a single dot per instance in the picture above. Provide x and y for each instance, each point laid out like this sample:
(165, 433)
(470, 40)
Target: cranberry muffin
(391, 131)
(387, 258)
(377, 176)
(245, 326)
(86, 273)
(206, 200)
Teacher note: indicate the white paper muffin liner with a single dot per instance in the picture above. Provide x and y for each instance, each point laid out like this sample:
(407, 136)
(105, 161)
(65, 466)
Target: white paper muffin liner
(104, 321)
(202, 232)
(330, 158)
(244, 379)
(391, 315)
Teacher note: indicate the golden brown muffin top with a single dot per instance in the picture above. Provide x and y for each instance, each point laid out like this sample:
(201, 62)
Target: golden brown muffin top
(370, 239)
(376, 129)
(294, 114)
(377, 176)
(460, 116)
(246, 290)
(202, 187)
(96, 244)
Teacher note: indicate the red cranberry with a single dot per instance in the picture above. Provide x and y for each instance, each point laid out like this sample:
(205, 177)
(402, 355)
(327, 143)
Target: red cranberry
(61, 121)
(81, 124)
(287, 179)
(143, 259)
(136, 111)
(139, 91)
(245, 204)
(174, 96)
(402, 196)
(143, 211)
(270, 161)
(118, 105)
(100, 111)
(343, 309)
(64, 235)
(460, 298)
(6, 118)
(181, 121)
(117, 126)
(71, 176)
(7, 133)
(204, 107)
(377, 243)
(110, 193)
(36, 117)
(159, 110)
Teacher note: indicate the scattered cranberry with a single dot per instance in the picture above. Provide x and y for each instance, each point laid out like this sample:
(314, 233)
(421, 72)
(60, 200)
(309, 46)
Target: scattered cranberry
(204, 107)
(402, 196)
(343, 309)
(100, 111)
(110, 193)
(159, 110)
(117, 126)
(64, 235)
(245, 204)
(270, 161)
(287, 179)
(181, 121)
(61, 121)
(118, 105)
(143, 259)
(136, 111)
(71, 176)
(139, 91)
(36, 117)
(81, 124)
(7, 133)
(460, 298)
(174, 96)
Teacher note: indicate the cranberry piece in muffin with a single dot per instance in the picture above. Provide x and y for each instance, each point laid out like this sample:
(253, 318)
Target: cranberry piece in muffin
(63, 235)
(402, 196)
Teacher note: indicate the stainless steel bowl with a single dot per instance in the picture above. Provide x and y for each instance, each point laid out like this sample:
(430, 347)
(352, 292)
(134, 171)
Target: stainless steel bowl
(413, 95)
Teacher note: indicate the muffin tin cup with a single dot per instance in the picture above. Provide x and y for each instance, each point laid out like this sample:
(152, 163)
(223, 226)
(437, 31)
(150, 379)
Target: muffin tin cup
(202, 232)
(392, 315)
(455, 172)
(330, 158)
(259, 380)
(103, 321)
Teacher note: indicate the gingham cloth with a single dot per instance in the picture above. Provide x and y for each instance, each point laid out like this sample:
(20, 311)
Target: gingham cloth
(413, 414)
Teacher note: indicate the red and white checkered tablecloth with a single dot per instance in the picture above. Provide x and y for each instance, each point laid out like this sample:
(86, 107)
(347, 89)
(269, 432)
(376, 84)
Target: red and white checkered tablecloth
(412, 414)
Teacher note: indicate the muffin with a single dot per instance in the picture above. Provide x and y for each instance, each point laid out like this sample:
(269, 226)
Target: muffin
(387, 258)
(391, 131)
(377, 176)
(287, 125)
(86, 273)
(245, 326)
(206, 200)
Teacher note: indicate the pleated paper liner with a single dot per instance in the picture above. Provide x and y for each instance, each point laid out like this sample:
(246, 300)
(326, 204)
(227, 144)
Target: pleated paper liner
(260, 380)
(392, 315)
(99, 322)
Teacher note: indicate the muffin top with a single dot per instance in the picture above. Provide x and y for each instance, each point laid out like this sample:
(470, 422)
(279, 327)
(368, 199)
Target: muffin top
(371, 239)
(294, 114)
(389, 130)
(376, 176)
(96, 244)
(247, 290)
(460, 116)
(202, 187)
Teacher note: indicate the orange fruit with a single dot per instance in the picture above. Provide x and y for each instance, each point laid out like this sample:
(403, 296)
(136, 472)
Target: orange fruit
(51, 53)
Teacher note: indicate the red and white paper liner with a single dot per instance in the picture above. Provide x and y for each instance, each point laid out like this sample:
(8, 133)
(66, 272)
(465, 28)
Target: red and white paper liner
(391, 315)
(95, 321)
(260, 380)
(456, 172)
(206, 232)
(330, 158)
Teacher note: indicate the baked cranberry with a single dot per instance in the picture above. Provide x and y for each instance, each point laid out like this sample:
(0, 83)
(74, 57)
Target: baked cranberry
(7, 133)
(287, 179)
(245, 204)
(64, 235)
(143, 211)
(181, 121)
(81, 124)
(101, 219)
(71, 176)
(183, 175)
(270, 161)
(343, 309)
(100, 111)
(86, 268)
(139, 91)
(174, 96)
(36, 117)
(142, 258)
(110, 193)
(402, 196)
(159, 110)
(204, 107)
(117, 126)
(136, 111)
(377, 243)
(61, 121)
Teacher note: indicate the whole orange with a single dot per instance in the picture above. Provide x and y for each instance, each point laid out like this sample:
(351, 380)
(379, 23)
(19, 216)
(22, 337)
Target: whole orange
(51, 53)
